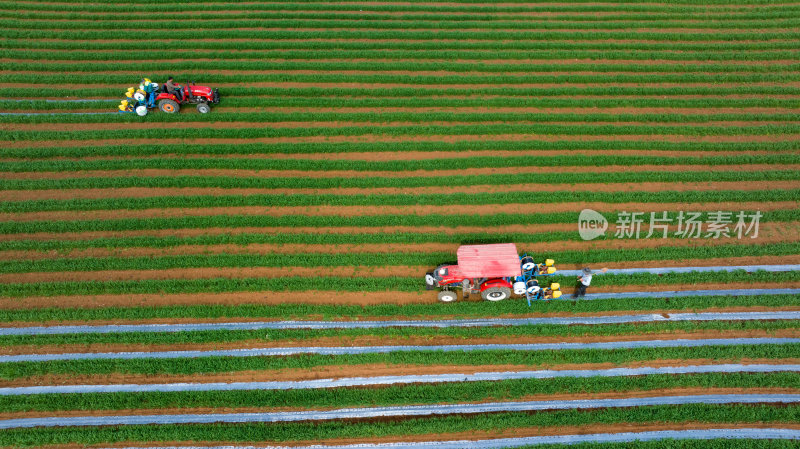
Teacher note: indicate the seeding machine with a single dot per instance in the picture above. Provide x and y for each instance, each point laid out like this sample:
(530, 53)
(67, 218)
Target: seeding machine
(496, 272)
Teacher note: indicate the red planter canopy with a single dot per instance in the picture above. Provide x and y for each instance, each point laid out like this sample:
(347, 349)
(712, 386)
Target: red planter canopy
(489, 261)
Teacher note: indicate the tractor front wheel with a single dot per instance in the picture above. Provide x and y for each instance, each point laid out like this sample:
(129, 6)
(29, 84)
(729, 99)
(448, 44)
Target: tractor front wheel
(447, 296)
(203, 108)
(169, 106)
(496, 293)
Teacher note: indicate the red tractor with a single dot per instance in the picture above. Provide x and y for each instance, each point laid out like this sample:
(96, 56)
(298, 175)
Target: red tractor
(495, 271)
(202, 96)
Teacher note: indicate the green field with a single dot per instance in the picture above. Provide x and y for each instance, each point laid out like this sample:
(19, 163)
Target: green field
(355, 147)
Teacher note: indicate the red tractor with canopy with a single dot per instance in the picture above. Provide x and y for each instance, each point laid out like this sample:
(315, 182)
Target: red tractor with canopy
(487, 269)
(495, 271)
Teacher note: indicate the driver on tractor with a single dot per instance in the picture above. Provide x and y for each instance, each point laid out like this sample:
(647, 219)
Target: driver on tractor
(174, 89)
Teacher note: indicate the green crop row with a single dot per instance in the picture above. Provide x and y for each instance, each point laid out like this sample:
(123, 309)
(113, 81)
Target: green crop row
(379, 259)
(68, 105)
(775, 153)
(63, 247)
(701, 71)
(236, 61)
(428, 310)
(192, 23)
(767, 54)
(389, 395)
(427, 427)
(433, 427)
(650, 18)
(480, 198)
(406, 117)
(556, 50)
(405, 130)
(683, 3)
(167, 34)
(249, 221)
(208, 365)
(201, 163)
(61, 73)
(709, 52)
(348, 336)
(484, 102)
(467, 6)
(216, 285)
(227, 182)
(362, 284)
(413, 92)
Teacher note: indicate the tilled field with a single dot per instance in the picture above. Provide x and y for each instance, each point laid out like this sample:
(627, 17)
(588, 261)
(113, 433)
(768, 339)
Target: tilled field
(254, 276)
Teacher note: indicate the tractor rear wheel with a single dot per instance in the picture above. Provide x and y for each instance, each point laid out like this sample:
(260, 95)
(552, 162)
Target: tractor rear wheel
(496, 293)
(203, 108)
(169, 106)
(447, 296)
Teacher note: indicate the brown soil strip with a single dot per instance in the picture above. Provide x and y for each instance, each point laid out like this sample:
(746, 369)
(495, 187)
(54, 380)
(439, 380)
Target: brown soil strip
(696, 391)
(370, 13)
(397, 40)
(526, 110)
(345, 124)
(400, 32)
(414, 138)
(779, 229)
(372, 340)
(343, 371)
(397, 17)
(314, 297)
(233, 173)
(353, 211)
(148, 192)
(594, 97)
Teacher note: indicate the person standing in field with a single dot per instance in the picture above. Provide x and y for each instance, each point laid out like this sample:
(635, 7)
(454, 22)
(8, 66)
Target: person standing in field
(584, 280)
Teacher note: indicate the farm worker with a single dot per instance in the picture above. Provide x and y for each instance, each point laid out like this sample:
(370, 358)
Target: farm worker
(124, 106)
(174, 89)
(584, 280)
(149, 91)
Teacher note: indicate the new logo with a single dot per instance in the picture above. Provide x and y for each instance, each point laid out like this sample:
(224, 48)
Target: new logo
(591, 224)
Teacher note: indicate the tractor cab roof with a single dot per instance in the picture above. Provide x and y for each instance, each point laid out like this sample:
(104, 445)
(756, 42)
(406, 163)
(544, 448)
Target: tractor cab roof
(489, 261)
